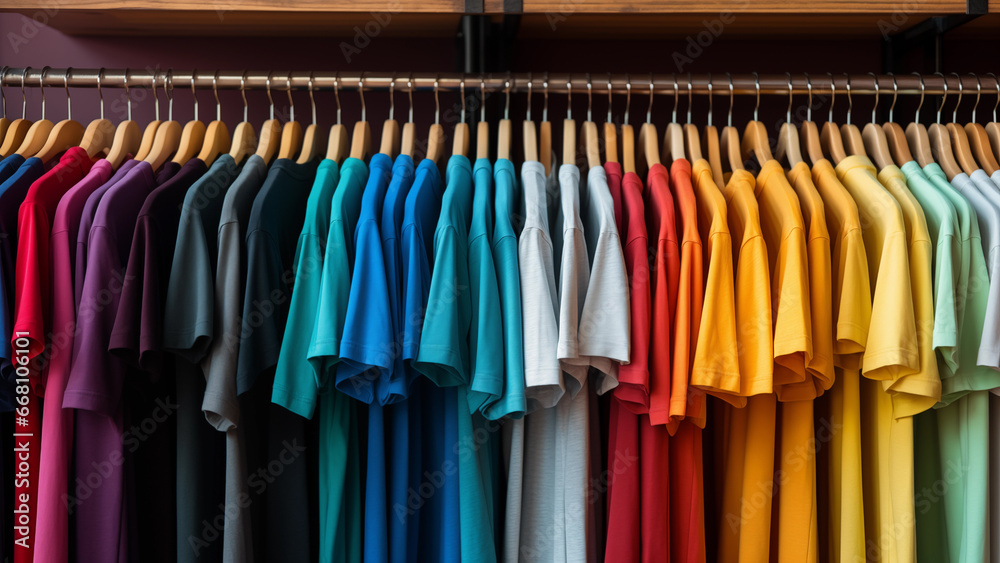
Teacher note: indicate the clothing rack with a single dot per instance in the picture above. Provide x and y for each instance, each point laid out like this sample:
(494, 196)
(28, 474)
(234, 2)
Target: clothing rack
(554, 83)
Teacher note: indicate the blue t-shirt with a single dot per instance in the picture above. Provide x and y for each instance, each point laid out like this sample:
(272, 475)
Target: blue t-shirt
(512, 401)
(366, 344)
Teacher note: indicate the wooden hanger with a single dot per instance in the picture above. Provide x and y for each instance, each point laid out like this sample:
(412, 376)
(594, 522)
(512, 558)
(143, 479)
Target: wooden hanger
(992, 128)
(673, 138)
(149, 133)
(4, 122)
(291, 131)
(126, 137)
(692, 141)
(959, 139)
(592, 145)
(336, 144)
(460, 142)
(435, 137)
(16, 129)
(874, 139)
(610, 132)
(168, 133)
(788, 135)
(409, 136)
(193, 135)
(916, 134)
(390, 128)
(810, 133)
(894, 133)
(244, 137)
(216, 134)
(528, 131)
(483, 129)
(628, 134)
(65, 134)
(853, 141)
(729, 145)
(362, 137)
(755, 140)
(38, 132)
(648, 139)
(979, 138)
(569, 127)
(503, 128)
(310, 141)
(940, 139)
(545, 130)
(830, 138)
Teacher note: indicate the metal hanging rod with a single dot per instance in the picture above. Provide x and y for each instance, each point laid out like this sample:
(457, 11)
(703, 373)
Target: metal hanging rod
(744, 84)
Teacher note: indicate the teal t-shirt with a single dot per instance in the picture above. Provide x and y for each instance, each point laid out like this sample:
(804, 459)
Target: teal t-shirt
(512, 401)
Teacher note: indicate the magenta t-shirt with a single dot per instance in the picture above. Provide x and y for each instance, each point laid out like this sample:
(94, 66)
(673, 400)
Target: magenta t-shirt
(52, 531)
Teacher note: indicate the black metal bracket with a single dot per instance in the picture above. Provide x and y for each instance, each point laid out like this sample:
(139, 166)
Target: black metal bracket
(928, 34)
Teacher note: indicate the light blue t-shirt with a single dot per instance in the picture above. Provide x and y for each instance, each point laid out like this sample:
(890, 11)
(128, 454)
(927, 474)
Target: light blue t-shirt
(512, 401)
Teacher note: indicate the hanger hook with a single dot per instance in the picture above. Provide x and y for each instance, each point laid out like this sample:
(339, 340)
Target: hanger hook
(215, 93)
(482, 98)
(545, 97)
(875, 107)
(916, 115)
(169, 77)
(506, 90)
(194, 94)
(128, 97)
(100, 93)
(243, 93)
(673, 114)
(690, 99)
(628, 97)
(41, 87)
(267, 86)
(788, 112)
(24, 99)
(527, 116)
(809, 105)
(409, 94)
(361, 94)
(649, 110)
(590, 98)
(833, 97)
(710, 99)
(954, 113)
(850, 101)
(609, 98)
(979, 93)
(291, 104)
(729, 117)
(461, 91)
(944, 81)
(312, 97)
(392, 97)
(569, 96)
(336, 93)
(69, 105)
(997, 81)
(756, 85)
(437, 103)
(3, 98)
(156, 99)
(895, 95)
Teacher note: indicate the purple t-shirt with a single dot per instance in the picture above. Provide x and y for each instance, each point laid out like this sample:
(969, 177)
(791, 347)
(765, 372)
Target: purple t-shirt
(96, 377)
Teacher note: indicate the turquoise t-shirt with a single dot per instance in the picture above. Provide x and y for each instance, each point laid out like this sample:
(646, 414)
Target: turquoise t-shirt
(512, 401)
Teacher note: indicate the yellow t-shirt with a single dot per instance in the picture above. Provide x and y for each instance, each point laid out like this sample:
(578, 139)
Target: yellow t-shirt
(839, 417)
(716, 366)
(784, 232)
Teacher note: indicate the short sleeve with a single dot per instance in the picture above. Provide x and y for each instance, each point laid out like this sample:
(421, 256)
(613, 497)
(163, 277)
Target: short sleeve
(716, 367)
(604, 321)
(331, 305)
(190, 294)
(266, 293)
(513, 401)
(945, 336)
(792, 328)
(891, 351)
(542, 373)
(137, 333)
(574, 278)
(853, 301)
(485, 333)
(633, 377)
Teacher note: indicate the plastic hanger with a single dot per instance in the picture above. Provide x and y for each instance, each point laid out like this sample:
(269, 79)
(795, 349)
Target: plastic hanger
(853, 141)
(673, 138)
(959, 139)
(168, 133)
(628, 134)
(483, 129)
(127, 135)
(435, 138)
(940, 139)
(978, 137)
(710, 143)
(692, 141)
(38, 133)
(592, 145)
(528, 131)
(310, 141)
(992, 128)
(409, 136)
(545, 130)
(755, 139)
(291, 131)
(830, 138)
(916, 134)
(216, 134)
(460, 142)
(67, 133)
(336, 144)
(788, 135)
(569, 127)
(504, 129)
(362, 137)
(149, 133)
(648, 142)
(894, 134)
(610, 132)
(390, 128)
(193, 135)
(244, 137)
(873, 137)
(810, 133)
(730, 142)
(18, 128)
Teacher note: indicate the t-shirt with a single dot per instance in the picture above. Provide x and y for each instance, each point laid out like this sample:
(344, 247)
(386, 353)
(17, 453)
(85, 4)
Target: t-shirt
(634, 378)
(573, 274)
(840, 408)
(9, 165)
(97, 378)
(57, 423)
(614, 172)
(215, 397)
(715, 366)
(512, 402)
